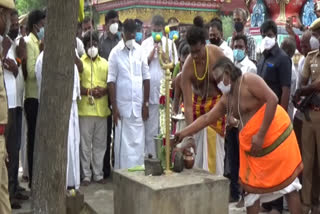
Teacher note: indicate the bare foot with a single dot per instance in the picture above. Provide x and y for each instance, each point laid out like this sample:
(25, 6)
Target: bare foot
(240, 204)
(85, 183)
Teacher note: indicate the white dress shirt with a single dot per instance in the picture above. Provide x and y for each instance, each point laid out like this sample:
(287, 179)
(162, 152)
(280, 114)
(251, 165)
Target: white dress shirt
(76, 82)
(128, 69)
(80, 47)
(227, 50)
(246, 65)
(19, 82)
(155, 69)
(10, 79)
(298, 114)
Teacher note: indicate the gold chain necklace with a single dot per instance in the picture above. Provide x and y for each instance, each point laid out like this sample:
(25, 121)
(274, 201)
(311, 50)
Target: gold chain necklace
(206, 71)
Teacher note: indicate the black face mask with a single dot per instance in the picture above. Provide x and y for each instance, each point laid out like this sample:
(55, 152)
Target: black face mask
(215, 41)
(238, 26)
(13, 33)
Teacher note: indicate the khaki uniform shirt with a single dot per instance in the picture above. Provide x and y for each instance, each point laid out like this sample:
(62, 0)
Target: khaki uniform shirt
(3, 100)
(311, 69)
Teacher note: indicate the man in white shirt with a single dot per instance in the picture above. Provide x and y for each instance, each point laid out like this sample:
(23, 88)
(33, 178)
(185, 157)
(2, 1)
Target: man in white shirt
(12, 77)
(151, 47)
(241, 58)
(216, 37)
(73, 160)
(129, 88)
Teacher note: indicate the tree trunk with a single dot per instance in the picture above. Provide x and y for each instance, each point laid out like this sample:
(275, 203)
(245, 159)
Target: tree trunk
(50, 153)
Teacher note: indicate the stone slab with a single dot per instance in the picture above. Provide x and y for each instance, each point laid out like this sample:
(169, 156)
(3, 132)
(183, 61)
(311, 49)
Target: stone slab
(189, 192)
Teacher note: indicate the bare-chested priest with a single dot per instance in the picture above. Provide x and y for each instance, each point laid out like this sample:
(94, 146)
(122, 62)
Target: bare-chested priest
(200, 95)
(270, 159)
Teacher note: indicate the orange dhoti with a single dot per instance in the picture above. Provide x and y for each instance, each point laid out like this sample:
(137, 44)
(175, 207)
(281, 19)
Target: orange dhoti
(278, 163)
(210, 140)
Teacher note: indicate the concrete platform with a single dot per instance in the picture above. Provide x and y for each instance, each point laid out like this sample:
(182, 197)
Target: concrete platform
(189, 192)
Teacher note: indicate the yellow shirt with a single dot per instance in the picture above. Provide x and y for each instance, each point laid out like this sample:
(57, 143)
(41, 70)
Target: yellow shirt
(33, 52)
(99, 78)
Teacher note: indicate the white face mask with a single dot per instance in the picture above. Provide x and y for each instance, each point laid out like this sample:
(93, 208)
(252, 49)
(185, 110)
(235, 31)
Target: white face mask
(267, 43)
(114, 28)
(129, 44)
(93, 52)
(224, 88)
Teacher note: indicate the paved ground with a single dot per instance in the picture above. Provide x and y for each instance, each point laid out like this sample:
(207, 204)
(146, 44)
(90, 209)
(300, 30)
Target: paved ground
(100, 198)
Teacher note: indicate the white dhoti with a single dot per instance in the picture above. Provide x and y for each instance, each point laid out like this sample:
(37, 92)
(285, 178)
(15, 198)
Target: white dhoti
(129, 142)
(73, 164)
(251, 198)
(203, 156)
(152, 129)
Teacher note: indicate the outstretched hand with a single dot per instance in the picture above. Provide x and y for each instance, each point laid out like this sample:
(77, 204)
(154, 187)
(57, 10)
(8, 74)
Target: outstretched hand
(185, 145)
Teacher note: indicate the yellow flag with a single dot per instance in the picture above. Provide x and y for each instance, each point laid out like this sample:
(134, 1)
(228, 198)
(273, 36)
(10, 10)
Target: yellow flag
(81, 11)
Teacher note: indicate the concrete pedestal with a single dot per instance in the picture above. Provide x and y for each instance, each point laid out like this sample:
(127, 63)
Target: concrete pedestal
(190, 192)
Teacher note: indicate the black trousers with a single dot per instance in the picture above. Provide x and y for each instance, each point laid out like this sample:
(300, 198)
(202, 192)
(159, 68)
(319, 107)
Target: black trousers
(13, 144)
(106, 159)
(231, 170)
(31, 109)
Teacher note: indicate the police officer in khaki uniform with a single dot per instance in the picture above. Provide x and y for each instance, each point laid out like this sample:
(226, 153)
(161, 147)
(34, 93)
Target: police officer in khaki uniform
(310, 84)
(5, 208)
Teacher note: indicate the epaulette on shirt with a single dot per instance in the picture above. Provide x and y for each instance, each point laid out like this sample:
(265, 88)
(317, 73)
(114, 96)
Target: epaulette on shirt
(313, 52)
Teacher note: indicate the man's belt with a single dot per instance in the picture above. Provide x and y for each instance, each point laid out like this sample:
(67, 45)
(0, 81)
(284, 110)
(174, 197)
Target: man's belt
(276, 143)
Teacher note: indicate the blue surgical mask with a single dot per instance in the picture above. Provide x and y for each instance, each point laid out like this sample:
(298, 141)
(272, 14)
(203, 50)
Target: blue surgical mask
(172, 33)
(239, 55)
(40, 34)
(119, 35)
(157, 36)
(138, 36)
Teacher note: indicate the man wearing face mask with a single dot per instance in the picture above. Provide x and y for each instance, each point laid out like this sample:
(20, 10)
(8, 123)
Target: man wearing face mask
(107, 42)
(216, 37)
(139, 33)
(110, 38)
(275, 67)
(36, 20)
(241, 59)
(129, 88)
(93, 111)
(14, 83)
(308, 43)
(87, 25)
(240, 19)
(5, 10)
(151, 46)
(310, 78)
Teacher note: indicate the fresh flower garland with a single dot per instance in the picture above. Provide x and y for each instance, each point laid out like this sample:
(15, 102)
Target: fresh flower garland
(162, 107)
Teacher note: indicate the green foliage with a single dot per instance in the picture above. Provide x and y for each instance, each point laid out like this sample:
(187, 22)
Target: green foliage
(227, 23)
(25, 6)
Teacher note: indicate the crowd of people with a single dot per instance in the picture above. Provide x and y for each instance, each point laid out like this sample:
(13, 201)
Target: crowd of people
(238, 104)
